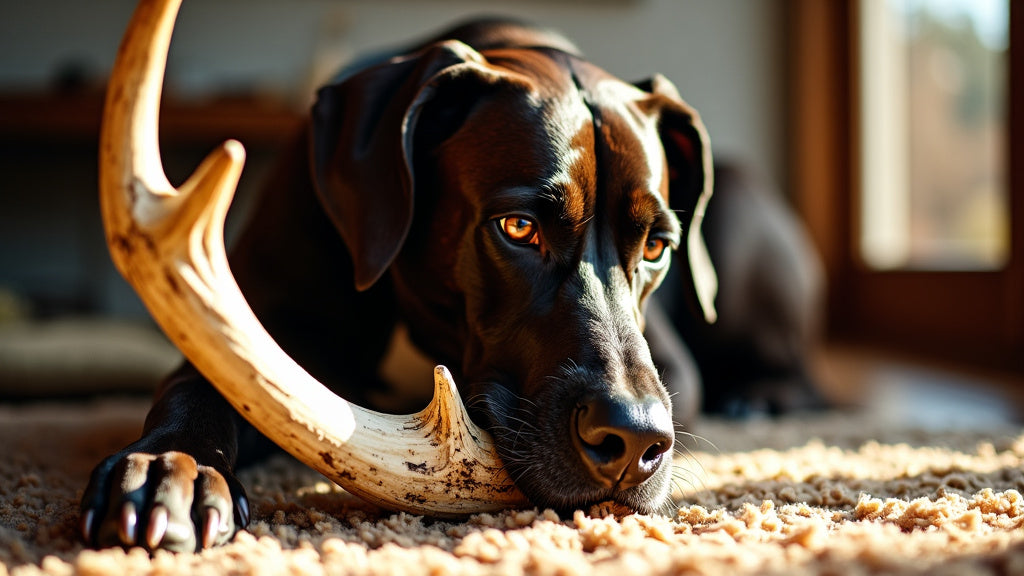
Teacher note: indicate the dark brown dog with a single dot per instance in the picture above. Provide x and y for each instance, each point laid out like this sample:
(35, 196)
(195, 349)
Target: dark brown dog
(512, 207)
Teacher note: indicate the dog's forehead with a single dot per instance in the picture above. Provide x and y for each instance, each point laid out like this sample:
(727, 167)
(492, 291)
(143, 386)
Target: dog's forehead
(634, 168)
(630, 131)
(555, 92)
(576, 171)
(596, 131)
(559, 126)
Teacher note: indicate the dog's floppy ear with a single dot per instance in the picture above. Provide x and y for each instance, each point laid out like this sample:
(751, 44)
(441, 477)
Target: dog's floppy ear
(690, 183)
(362, 135)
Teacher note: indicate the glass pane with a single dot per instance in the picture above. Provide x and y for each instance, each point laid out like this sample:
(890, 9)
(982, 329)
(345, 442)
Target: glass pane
(933, 134)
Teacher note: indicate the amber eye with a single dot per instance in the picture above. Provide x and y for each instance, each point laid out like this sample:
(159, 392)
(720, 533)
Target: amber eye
(654, 249)
(519, 230)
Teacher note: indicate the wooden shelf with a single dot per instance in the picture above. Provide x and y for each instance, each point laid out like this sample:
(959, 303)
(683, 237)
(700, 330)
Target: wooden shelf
(55, 118)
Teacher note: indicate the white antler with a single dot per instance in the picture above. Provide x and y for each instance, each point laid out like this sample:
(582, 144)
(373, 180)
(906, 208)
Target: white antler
(169, 244)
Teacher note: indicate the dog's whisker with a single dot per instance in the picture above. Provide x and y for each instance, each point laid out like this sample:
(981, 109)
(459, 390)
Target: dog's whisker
(697, 438)
(669, 505)
(524, 400)
(694, 479)
(700, 472)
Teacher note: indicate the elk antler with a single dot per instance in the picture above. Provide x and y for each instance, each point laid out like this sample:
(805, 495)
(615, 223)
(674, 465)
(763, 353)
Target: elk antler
(169, 244)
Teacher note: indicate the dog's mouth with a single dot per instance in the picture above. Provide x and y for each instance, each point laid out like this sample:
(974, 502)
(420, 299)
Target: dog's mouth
(535, 438)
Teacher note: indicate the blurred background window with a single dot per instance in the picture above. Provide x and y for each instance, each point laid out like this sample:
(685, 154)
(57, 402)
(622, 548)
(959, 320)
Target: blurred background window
(933, 118)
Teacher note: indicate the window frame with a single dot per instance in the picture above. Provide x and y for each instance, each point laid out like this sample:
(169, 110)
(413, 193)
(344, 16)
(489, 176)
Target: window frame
(971, 317)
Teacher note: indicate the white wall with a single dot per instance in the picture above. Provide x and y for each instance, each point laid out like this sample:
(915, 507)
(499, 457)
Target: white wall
(724, 55)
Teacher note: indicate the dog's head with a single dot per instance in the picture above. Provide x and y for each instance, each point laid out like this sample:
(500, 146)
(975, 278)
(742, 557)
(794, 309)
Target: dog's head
(525, 204)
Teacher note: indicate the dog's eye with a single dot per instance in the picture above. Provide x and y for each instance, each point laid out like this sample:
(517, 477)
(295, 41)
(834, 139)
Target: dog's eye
(654, 249)
(519, 229)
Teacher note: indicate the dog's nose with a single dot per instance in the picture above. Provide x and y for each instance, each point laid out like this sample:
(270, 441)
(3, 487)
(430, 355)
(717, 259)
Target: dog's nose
(623, 441)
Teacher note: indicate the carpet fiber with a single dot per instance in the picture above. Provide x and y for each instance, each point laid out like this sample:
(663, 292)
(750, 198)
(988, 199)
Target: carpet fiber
(835, 494)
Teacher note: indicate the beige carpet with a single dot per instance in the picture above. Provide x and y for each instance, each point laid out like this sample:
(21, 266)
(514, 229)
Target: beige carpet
(838, 494)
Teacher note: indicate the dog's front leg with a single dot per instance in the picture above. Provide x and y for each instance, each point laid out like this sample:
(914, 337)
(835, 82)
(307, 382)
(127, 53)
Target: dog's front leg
(174, 488)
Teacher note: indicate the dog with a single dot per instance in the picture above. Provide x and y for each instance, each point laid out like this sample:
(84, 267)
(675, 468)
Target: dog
(508, 206)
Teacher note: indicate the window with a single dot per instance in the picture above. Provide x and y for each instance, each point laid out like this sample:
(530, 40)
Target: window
(932, 78)
(906, 164)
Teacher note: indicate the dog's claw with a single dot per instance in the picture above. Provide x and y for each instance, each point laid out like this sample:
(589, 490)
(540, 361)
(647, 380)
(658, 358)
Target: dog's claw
(128, 526)
(157, 527)
(181, 506)
(211, 527)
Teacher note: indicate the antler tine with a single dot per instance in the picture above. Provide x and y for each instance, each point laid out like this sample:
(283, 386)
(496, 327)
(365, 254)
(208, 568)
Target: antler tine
(169, 244)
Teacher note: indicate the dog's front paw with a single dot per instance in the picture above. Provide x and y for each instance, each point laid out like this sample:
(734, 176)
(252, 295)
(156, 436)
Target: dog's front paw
(167, 500)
